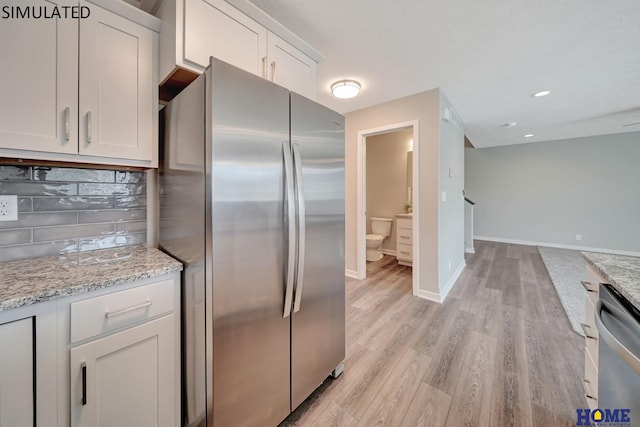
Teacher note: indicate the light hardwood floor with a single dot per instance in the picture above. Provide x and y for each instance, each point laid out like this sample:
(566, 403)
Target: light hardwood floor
(498, 352)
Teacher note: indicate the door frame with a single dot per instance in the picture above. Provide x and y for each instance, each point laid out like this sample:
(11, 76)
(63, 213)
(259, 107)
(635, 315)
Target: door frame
(361, 187)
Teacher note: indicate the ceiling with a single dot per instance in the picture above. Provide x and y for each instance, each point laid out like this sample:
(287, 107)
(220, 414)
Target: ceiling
(488, 56)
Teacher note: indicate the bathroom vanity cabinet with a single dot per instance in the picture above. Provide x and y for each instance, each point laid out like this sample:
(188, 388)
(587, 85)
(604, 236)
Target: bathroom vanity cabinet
(404, 239)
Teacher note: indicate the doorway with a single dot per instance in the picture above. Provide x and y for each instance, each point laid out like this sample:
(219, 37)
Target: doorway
(411, 193)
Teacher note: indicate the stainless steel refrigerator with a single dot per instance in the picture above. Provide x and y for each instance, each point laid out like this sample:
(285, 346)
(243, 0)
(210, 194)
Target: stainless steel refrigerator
(252, 202)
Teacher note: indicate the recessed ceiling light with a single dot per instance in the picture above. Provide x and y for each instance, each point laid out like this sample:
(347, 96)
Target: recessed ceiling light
(529, 135)
(345, 88)
(541, 93)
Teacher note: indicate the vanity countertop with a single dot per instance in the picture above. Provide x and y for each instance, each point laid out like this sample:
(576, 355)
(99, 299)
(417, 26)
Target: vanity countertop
(622, 272)
(405, 215)
(30, 281)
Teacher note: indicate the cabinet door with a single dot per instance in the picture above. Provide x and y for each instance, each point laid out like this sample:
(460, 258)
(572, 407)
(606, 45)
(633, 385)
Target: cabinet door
(16, 373)
(291, 68)
(116, 105)
(215, 28)
(128, 378)
(38, 83)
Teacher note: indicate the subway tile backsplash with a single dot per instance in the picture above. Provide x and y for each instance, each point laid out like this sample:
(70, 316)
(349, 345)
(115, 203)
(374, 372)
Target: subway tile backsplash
(65, 210)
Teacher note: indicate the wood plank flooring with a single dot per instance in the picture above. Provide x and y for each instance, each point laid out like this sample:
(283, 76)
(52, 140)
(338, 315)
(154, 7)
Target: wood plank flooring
(498, 352)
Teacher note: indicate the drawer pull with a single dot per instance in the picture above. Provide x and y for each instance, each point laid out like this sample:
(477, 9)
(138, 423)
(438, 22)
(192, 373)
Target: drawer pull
(109, 314)
(587, 286)
(67, 124)
(586, 384)
(83, 366)
(404, 253)
(587, 331)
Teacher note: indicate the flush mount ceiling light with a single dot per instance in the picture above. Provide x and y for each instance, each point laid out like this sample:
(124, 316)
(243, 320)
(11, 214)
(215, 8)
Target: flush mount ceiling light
(529, 135)
(541, 93)
(345, 88)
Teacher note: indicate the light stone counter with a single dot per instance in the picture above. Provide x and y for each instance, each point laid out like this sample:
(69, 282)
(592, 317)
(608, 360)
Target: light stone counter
(36, 280)
(622, 272)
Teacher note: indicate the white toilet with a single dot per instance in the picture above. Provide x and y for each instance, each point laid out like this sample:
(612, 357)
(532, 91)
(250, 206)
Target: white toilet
(381, 228)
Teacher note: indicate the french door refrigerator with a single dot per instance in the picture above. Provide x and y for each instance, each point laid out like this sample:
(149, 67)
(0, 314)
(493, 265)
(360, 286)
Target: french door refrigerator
(252, 202)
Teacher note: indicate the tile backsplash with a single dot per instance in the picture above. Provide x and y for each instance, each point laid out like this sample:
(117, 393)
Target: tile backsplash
(63, 210)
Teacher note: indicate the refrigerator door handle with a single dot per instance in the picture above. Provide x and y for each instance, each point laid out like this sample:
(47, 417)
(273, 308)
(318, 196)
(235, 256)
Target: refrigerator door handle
(291, 215)
(297, 162)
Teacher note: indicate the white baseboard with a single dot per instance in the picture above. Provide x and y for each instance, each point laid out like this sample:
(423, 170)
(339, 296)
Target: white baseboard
(439, 297)
(352, 274)
(389, 252)
(429, 296)
(470, 250)
(556, 245)
(452, 281)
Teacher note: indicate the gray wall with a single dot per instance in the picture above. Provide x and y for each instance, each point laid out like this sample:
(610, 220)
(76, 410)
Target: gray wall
(549, 192)
(387, 178)
(65, 210)
(451, 211)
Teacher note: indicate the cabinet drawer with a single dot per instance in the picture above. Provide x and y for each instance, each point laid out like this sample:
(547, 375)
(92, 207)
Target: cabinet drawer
(404, 223)
(592, 348)
(590, 381)
(95, 316)
(405, 236)
(589, 311)
(404, 252)
(592, 281)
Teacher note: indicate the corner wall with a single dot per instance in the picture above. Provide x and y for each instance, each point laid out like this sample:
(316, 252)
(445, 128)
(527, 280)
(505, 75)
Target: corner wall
(424, 108)
(450, 212)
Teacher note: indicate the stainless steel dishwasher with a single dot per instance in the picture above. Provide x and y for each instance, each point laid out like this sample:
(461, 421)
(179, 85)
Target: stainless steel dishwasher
(618, 323)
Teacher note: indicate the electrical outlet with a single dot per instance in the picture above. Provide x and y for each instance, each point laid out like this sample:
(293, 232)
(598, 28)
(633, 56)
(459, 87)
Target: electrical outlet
(8, 208)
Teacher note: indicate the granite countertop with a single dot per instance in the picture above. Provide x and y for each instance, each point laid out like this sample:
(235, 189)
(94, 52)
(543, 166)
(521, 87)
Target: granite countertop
(622, 272)
(29, 281)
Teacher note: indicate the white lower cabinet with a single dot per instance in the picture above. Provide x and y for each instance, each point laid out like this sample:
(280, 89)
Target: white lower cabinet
(28, 361)
(16, 373)
(109, 357)
(125, 379)
(590, 381)
(404, 240)
(120, 355)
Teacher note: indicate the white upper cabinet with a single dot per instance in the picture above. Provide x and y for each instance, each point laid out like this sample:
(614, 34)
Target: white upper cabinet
(39, 84)
(236, 32)
(291, 68)
(117, 103)
(81, 90)
(242, 41)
